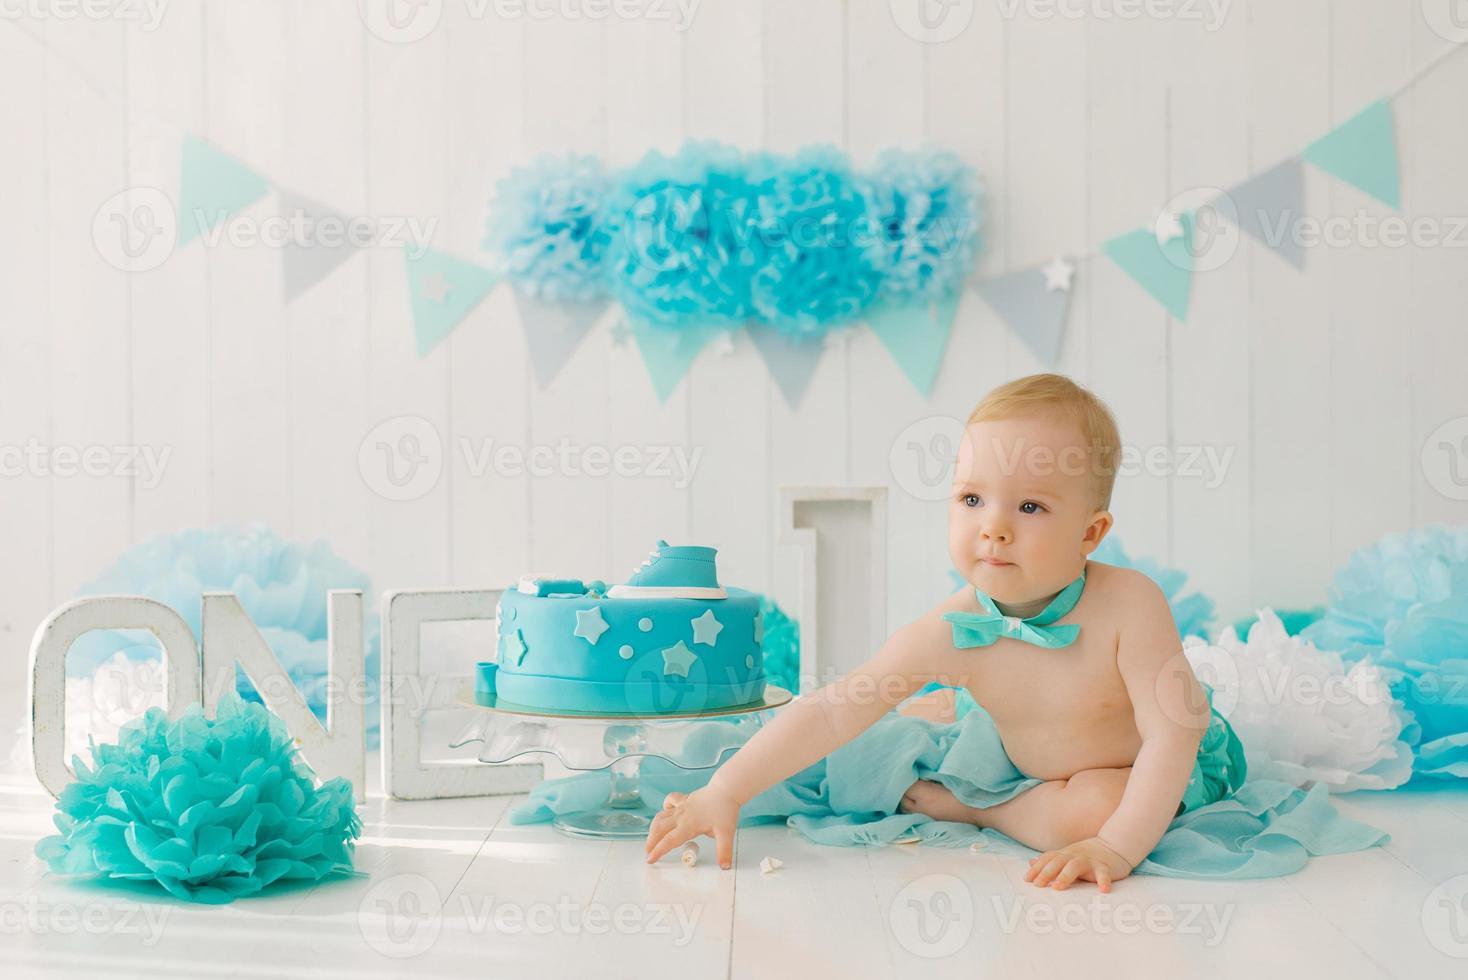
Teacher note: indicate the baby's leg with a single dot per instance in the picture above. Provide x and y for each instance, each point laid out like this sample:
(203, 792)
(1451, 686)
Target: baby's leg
(1050, 815)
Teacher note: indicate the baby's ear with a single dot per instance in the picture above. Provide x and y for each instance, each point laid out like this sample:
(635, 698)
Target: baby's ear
(1096, 530)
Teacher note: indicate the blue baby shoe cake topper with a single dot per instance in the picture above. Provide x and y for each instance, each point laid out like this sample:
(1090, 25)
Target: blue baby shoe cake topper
(982, 629)
(673, 572)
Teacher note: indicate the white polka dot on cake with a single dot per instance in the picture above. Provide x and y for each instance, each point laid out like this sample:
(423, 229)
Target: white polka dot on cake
(625, 651)
(749, 660)
(644, 624)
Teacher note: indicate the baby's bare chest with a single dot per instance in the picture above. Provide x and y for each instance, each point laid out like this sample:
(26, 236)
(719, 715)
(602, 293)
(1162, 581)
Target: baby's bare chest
(1018, 682)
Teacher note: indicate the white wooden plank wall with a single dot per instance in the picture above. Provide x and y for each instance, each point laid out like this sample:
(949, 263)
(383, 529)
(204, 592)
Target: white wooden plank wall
(1322, 386)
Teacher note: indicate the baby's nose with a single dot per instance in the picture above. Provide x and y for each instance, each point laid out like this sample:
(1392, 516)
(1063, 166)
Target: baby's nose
(996, 531)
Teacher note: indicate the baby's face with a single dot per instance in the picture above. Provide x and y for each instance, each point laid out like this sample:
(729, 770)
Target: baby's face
(1022, 516)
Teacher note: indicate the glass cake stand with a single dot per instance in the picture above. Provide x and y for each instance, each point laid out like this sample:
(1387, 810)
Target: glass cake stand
(589, 743)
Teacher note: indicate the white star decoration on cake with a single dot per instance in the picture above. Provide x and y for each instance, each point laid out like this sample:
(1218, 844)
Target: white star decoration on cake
(677, 659)
(1011, 623)
(706, 628)
(1057, 275)
(515, 648)
(1167, 227)
(590, 625)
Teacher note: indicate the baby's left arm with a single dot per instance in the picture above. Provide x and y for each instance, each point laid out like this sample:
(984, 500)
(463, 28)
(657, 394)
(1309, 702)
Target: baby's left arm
(1172, 714)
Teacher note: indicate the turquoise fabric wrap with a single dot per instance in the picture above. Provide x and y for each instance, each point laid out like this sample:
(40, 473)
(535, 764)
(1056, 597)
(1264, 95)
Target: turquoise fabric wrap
(1263, 829)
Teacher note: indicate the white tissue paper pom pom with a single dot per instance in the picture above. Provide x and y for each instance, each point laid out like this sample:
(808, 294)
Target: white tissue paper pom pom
(1303, 718)
(120, 690)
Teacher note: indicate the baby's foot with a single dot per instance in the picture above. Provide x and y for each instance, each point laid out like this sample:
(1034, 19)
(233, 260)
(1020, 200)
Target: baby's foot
(935, 800)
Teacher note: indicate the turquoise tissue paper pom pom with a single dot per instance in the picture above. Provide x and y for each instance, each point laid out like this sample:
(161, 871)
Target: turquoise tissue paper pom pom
(1402, 604)
(1294, 620)
(679, 226)
(1382, 582)
(926, 208)
(210, 809)
(282, 585)
(713, 237)
(806, 211)
(547, 231)
(780, 646)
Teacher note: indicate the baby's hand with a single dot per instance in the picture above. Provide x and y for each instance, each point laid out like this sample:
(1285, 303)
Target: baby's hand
(685, 816)
(1088, 860)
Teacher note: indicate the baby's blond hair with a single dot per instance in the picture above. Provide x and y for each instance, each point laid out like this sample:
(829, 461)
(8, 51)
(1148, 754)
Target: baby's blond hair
(1056, 398)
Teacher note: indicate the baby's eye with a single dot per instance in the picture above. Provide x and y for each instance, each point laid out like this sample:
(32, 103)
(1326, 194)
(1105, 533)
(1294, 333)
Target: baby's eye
(1031, 503)
(970, 500)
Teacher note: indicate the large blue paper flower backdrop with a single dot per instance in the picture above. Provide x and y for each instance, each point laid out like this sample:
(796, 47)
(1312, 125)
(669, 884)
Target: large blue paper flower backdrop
(281, 584)
(714, 236)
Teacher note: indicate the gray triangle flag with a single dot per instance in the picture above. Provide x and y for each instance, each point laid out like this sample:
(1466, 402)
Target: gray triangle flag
(790, 362)
(1033, 311)
(553, 331)
(305, 263)
(1269, 207)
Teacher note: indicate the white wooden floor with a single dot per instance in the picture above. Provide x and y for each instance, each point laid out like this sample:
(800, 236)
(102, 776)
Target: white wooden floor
(451, 888)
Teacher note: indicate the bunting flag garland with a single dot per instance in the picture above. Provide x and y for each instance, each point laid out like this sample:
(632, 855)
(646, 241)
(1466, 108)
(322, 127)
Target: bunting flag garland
(212, 186)
(1267, 206)
(668, 354)
(553, 331)
(923, 201)
(1163, 268)
(790, 362)
(1033, 304)
(442, 291)
(304, 265)
(1362, 151)
(916, 336)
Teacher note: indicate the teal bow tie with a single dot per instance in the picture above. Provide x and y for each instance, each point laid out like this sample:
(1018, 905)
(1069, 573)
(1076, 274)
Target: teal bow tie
(982, 629)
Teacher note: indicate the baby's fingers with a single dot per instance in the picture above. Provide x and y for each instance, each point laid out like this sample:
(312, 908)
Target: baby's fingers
(669, 841)
(1037, 863)
(659, 826)
(724, 844)
(1073, 869)
(1103, 878)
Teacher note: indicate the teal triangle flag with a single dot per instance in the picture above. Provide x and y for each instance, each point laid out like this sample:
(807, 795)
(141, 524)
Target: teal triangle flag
(916, 334)
(212, 186)
(1362, 151)
(442, 290)
(668, 352)
(1164, 271)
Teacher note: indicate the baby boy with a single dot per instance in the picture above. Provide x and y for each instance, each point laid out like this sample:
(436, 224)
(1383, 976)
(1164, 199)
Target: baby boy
(1079, 663)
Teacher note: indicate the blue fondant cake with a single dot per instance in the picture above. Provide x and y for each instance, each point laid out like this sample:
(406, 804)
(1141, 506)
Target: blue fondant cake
(671, 640)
